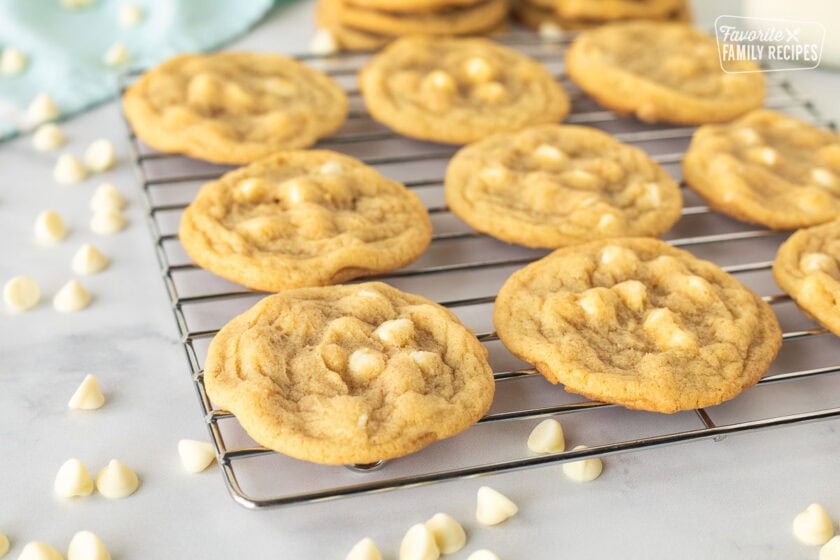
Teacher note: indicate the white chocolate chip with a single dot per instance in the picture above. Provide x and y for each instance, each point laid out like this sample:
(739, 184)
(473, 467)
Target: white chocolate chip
(365, 549)
(130, 15)
(447, 532)
(824, 177)
(440, 80)
(766, 155)
(39, 551)
(100, 155)
(699, 289)
(68, 170)
(73, 480)
(426, 360)
(21, 293)
(89, 260)
(47, 137)
(365, 363)
(586, 470)
(71, 297)
(369, 294)
(4, 545)
(548, 153)
(746, 135)
(323, 43)
(41, 109)
(196, 455)
(493, 507)
(252, 188)
(478, 69)
(663, 326)
(296, 192)
(12, 61)
(87, 396)
(107, 222)
(50, 228)
(116, 55)
(419, 544)
(547, 437)
(633, 293)
(813, 526)
(397, 332)
(550, 32)
(483, 554)
(87, 546)
(831, 549)
(331, 168)
(618, 258)
(597, 306)
(494, 176)
(116, 480)
(608, 222)
(810, 263)
(490, 92)
(652, 197)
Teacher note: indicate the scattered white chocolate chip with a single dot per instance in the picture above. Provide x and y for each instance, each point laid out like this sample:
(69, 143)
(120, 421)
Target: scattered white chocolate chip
(483, 554)
(116, 480)
(12, 61)
(116, 55)
(100, 155)
(493, 507)
(89, 260)
(130, 15)
(448, 534)
(71, 297)
(478, 69)
(21, 293)
(547, 437)
(397, 332)
(831, 549)
(73, 480)
(107, 222)
(813, 526)
(365, 549)
(323, 43)
(87, 546)
(87, 396)
(331, 168)
(41, 109)
(419, 544)
(68, 170)
(196, 455)
(47, 137)
(49, 227)
(366, 363)
(107, 197)
(550, 32)
(39, 551)
(586, 470)
(4, 545)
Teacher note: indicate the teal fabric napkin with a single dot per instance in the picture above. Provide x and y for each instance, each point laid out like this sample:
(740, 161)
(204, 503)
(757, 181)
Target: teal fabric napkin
(65, 47)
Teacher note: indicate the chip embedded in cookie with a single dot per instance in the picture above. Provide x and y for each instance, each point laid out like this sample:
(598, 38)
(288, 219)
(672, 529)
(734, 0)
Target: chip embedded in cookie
(303, 218)
(233, 107)
(636, 322)
(767, 168)
(557, 185)
(807, 267)
(349, 374)
(458, 90)
(663, 72)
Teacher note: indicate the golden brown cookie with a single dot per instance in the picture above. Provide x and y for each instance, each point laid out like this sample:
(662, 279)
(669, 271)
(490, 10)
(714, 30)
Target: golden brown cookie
(347, 38)
(611, 10)
(806, 267)
(636, 322)
(767, 168)
(662, 72)
(458, 90)
(539, 13)
(303, 218)
(557, 185)
(233, 107)
(349, 374)
(460, 20)
(411, 6)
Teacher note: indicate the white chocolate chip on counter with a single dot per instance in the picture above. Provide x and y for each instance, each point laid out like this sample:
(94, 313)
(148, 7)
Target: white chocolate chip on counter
(493, 507)
(116, 481)
(89, 260)
(21, 293)
(831, 549)
(483, 554)
(41, 109)
(71, 297)
(365, 549)
(196, 455)
(68, 170)
(116, 55)
(585, 470)
(100, 155)
(547, 437)
(323, 43)
(50, 228)
(366, 364)
(813, 526)
(107, 222)
(73, 480)
(108, 197)
(397, 332)
(12, 61)
(87, 396)
(39, 551)
(48, 137)
(87, 546)
(419, 544)
(449, 535)
(130, 15)
(4, 545)
(550, 32)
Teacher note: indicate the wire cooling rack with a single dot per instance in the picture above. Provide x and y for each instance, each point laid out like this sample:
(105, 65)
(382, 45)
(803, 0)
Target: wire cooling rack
(463, 270)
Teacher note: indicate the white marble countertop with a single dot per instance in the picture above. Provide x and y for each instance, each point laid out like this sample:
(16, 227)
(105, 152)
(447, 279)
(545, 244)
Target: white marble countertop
(730, 499)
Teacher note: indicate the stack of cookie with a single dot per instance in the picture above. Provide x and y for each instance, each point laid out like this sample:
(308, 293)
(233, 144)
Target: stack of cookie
(370, 24)
(573, 15)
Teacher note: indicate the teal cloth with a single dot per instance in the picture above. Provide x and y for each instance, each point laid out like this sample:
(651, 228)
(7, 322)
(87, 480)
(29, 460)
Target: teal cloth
(66, 47)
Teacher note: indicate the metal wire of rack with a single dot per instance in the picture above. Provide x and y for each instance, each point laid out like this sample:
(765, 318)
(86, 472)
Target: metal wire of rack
(462, 270)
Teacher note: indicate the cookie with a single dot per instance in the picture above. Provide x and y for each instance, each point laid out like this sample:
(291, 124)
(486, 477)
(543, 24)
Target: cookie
(347, 38)
(557, 185)
(460, 20)
(303, 218)
(349, 374)
(233, 107)
(767, 168)
(806, 267)
(536, 13)
(411, 6)
(458, 90)
(636, 322)
(662, 72)
(611, 10)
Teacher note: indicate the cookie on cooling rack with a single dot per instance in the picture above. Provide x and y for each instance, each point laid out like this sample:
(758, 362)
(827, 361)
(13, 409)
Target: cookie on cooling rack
(538, 14)
(303, 218)
(474, 18)
(636, 322)
(767, 168)
(611, 10)
(557, 185)
(806, 267)
(662, 72)
(349, 374)
(233, 107)
(458, 90)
